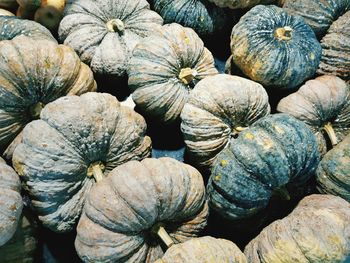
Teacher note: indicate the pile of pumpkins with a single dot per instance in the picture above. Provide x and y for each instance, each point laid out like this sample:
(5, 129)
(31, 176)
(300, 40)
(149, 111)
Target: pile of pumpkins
(273, 124)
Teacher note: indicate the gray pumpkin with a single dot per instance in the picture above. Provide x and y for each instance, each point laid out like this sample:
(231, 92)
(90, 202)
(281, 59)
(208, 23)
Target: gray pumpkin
(75, 141)
(104, 33)
(10, 202)
(138, 201)
(165, 67)
(218, 108)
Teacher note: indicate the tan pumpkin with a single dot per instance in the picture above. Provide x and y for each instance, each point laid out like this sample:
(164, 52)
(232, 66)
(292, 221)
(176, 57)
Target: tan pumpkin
(4, 12)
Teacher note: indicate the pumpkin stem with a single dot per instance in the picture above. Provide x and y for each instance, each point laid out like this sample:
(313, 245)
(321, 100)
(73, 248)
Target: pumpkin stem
(115, 25)
(160, 231)
(96, 170)
(284, 33)
(328, 128)
(36, 109)
(282, 192)
(187, 75)
(237, 130)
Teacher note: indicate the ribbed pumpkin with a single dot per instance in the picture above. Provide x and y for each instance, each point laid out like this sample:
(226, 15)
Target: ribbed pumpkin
(316, 231)
(333, 172)
(318, 14)
(204, 250)
(234, 4)
(323, 104)
(336, 49)
(75, 141)
(104, 33)
(274, 48)
(10, 202)
(165, 67)
(138, 202)
(218, 108)
(32, 74)
(276, 152)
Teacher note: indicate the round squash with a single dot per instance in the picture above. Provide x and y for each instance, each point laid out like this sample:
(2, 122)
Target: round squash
(333, 172)
(323, 104)
(104, 33)
(218, 108)
(273, 48)
(235, 4)
(4, 12)
(140, 205)
(336, 49)
(164, 68)
(76, 140)
(316, 231)
(10, 202)
(275, 153)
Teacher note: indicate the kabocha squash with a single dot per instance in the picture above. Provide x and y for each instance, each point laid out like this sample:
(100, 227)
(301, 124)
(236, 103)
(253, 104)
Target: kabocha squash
(274, 48)
(218, 108)
(204, 250)
(202, 16)
(32, 74)
(316, 231)
(104, 33)
(333, 172)
(336, 49)
(74, 142)
(323, 104)
(318, 14)
(276, 153)
(164, 68)
(10, 202)
(234, 4)
(140, 205)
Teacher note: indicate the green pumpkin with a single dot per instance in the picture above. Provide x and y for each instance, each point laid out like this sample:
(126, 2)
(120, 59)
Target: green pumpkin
(235, 4)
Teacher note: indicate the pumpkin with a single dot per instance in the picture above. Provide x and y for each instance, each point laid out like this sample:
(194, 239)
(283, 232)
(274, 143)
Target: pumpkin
(164, 68)
(205, 249)
(73, 143)
(333, 172)
(138, 206)
(218, 108)
(10, 202)
(235, 4)
(4, 12)
(336, 49)
(277, 152)
(202, 16)
(32, 74)
(316, 231)
(273, 48)
(323, 104)
(8, 4)
(318, 14)
(105, 33)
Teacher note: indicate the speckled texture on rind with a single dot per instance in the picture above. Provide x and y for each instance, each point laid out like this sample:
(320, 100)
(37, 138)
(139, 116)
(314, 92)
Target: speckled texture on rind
(336, 49)
(235, 4)
(216, 106)
(318, 230)
(319, 101)
(121, 210)
(155, 67)
(33, 71)
(10, 202)
(57, 150)
(333, 172)
(318, 14)
(264, 58)
(84, 28)
(275, 151)
(202, 16)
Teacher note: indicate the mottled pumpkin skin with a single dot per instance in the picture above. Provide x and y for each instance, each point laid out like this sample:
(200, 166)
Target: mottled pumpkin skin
(204, 250)
(10, 202)
(277, 150)
(324, 100)
(202, 16)
(121, 210)
(333, 172)
(317, 230)
(58, 150)
(235, 4)
(318, 14)
(216, 109)
(266, 58)
(85, 28)
(336, 49)
(155, 68)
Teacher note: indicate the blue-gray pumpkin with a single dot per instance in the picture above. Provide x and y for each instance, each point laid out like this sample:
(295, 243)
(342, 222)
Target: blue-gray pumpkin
(274, 48)
(276, 151)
